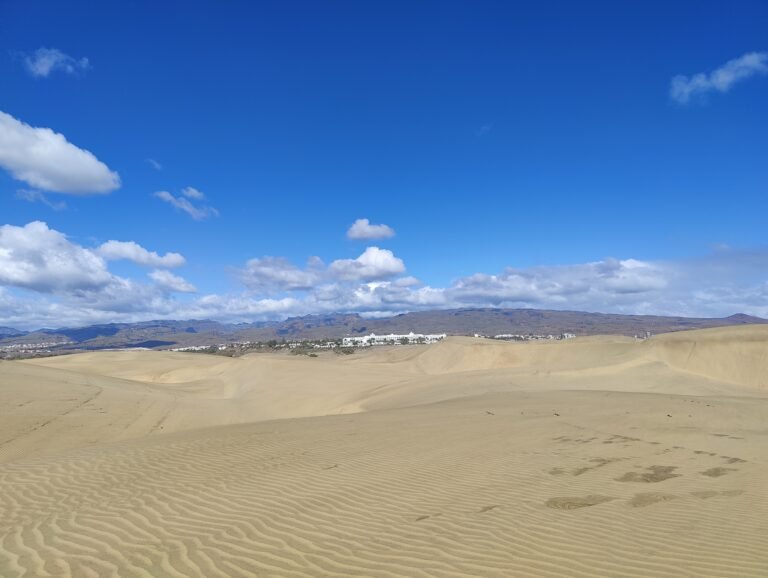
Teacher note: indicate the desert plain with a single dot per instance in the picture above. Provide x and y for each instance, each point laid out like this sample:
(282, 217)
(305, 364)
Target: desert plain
(601, 456)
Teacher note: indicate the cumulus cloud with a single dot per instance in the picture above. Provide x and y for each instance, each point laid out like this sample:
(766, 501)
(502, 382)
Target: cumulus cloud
(170, 282)
(721, 79)
(42, 259)
(132, 251)
(45, 160)
(48, 280)
(276, 274)
(362, 229)
(182, 203)
(374, 263)
(719, 284)
(43, 61)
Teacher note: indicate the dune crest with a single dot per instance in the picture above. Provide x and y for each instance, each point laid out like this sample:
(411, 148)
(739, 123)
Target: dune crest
(731, 354)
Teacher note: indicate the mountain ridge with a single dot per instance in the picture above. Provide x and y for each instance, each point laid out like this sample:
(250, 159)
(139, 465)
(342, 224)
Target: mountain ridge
(159, 334)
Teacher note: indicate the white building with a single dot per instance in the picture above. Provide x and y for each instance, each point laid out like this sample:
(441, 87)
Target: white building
(392, 339)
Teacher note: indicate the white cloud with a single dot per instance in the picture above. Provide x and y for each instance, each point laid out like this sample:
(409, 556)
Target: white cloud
(48, 280)
(721, 79)
(236, 308)
(198, 213)
(63, 283)
(45, 160)
(374, 263)
(154, 164)
(43, 61)
(170, 282)
(407, 282)
(609, 285)
(42, 259)
(275, 274)
(132, 251)
(362, 229)
(33, 196)
(601, 283)
(192, 193)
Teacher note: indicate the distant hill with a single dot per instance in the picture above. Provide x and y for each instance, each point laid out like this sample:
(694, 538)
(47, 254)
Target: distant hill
(490, 322)
(165, 334)
(9, 332)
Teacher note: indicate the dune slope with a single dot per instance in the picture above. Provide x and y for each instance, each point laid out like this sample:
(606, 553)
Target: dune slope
(596, 457)
(495, 485)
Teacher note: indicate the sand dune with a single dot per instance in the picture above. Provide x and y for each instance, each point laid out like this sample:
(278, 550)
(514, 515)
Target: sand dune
(594, 457)
(732, 354)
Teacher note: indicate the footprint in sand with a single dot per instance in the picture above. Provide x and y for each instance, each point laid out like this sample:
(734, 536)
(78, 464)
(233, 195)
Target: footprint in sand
(654, 475)
(717, 472)
(731, 460)
(643, 500)
(706, 494)
(600, 463)
(571, 503)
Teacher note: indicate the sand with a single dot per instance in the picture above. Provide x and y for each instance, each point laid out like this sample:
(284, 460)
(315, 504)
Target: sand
(592, 457)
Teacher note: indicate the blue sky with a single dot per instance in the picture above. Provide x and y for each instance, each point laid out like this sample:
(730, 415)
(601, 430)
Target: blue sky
(535, 155)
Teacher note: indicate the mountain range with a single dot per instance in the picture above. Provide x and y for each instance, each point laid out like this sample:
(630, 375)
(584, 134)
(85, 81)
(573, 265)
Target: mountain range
(166, 334)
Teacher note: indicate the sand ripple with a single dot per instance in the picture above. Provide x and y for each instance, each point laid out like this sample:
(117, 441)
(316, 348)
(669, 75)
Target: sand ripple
(443, 490)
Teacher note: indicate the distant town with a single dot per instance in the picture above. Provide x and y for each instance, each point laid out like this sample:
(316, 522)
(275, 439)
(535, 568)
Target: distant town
(303, 345)
(531, 337)
(20, 350)
(349, 344)
(297, 346)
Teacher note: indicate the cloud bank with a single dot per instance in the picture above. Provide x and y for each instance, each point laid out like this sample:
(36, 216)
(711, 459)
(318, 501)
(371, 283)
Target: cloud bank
(684, 88)
(48, 280)
(45, 160)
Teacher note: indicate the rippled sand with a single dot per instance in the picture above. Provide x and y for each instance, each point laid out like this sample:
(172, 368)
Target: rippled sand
(597, 457)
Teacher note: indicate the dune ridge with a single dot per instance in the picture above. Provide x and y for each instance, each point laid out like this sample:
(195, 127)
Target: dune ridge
(595, 457)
